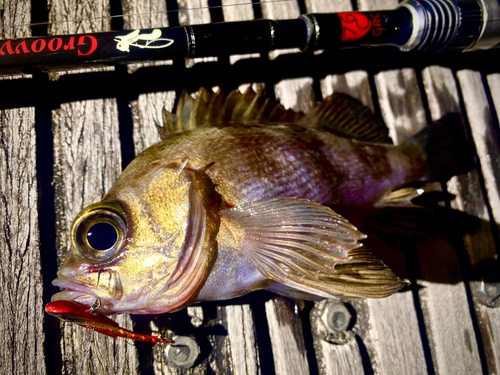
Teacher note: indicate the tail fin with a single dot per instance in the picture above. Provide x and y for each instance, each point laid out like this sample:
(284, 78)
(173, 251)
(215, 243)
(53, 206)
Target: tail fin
(447, 148)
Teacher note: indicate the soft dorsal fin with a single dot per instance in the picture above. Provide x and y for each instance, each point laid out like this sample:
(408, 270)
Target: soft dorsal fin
(348, 117)
(214, 108)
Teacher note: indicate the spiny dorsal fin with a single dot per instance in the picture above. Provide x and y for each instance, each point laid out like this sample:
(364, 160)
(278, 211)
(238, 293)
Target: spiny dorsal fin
(307, 247)
(211, 109)
(185, 117)
(348, 117)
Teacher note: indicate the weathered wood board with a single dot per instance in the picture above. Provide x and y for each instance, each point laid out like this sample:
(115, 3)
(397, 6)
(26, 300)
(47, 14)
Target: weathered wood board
(65, 153)
(87, 160)
(21, 309)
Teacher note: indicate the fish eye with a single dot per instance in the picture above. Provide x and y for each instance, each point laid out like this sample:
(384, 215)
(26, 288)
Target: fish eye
(102, 236)
(98, 234)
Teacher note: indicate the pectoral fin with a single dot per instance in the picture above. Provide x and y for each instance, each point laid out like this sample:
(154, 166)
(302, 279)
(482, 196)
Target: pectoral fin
(308, 247)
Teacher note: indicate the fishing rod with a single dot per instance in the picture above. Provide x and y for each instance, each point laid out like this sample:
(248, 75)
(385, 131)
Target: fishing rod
(416, 25)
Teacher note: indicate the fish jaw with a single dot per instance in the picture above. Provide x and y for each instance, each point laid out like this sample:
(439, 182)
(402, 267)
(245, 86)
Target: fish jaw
(85, 284)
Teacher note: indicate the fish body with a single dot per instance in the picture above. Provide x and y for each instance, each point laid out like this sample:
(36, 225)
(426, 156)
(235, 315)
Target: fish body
(258, 162)
(224, 206)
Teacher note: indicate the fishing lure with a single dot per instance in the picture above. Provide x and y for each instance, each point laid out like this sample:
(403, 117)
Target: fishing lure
(89, 318)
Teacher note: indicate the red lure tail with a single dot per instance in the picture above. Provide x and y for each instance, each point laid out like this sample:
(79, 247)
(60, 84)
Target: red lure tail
(79, 314)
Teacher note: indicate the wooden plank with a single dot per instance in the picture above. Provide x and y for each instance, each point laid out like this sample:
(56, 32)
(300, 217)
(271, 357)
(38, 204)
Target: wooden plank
(241, 332)
(443, 97)
(479, 242)
(391, 324)
(14, 23)
(237, 10)
(486, 140)
(296, 94)
(494, 84)
(21, 309)
(285, 330)
(147, 113)
(489, 322)
(345, 358)
(79, 18)
(144, 14)
(401, 108)
(15, 19)
(318, 6)
(402, 105)
(366, 5)
(87, 162)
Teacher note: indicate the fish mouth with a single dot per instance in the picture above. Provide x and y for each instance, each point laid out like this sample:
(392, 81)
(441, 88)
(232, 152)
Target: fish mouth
(80, 293)
(73, 291)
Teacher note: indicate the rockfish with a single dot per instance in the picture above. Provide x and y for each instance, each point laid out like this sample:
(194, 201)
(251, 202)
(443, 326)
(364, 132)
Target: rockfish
(240, 195)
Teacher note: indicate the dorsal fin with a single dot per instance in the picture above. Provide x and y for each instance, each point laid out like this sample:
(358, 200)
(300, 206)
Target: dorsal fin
(211, 109)
(184, 119)
(348, 117)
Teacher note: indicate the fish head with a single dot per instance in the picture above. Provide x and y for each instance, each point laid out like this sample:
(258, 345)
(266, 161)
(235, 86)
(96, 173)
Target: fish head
(144, 249)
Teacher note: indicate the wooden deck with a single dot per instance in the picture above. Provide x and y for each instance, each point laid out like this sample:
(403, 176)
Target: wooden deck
(65, 137)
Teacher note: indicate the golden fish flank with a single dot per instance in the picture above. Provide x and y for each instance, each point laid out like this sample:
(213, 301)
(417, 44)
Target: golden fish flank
(235, 197)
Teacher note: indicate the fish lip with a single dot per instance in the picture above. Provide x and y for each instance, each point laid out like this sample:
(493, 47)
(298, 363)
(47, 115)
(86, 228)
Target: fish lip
(72, 286)
(72, 290)
(68, 295)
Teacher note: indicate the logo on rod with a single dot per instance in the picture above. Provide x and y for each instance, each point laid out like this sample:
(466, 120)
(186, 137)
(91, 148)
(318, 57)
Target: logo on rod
(152, 40)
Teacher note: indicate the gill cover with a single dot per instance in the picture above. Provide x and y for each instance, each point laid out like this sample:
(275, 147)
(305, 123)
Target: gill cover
(171, 235)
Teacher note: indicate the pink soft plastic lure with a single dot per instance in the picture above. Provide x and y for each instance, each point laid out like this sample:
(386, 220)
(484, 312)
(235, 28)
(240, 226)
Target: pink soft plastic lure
(80, 314)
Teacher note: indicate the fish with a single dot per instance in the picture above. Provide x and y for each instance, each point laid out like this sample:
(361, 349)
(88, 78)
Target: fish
(243, 195)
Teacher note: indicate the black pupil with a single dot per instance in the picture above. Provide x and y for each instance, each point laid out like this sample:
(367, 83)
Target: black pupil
(102, 236)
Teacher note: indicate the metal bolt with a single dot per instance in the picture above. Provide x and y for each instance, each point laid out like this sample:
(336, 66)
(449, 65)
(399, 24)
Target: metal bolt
(491, 293)
(183, 353)
(336, 317)
(491, 290)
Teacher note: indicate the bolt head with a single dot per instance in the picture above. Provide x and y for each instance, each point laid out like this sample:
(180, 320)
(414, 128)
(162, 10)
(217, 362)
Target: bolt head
(336, 317)
(183, 353)
(492, 290)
